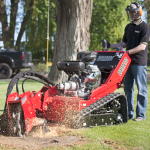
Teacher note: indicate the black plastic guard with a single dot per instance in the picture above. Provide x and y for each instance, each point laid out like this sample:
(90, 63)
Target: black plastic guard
(124, 108)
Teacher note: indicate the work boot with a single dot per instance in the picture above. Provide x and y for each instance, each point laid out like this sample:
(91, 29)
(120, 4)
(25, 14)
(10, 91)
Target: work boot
(138, 119)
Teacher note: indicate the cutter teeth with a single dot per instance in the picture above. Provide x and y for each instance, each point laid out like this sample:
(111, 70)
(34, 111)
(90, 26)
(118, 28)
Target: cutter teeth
(13, 115)
(44, 127)
(15, 129)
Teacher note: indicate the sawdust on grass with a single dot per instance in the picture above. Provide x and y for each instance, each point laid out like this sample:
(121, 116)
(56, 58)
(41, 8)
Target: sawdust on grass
(37, 140)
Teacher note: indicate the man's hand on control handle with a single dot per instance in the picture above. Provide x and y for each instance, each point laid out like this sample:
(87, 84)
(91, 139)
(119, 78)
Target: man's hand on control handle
(105, 44)
(122, 49)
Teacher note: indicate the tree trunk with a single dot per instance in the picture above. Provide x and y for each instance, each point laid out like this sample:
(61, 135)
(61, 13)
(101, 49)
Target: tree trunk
(24, 22)
(73, 19)
(5, 27)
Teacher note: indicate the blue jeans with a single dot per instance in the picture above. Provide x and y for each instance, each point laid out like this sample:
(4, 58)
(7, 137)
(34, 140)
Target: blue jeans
(136, 73)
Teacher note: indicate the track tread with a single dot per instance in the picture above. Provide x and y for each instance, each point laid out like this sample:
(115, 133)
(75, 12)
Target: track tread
(101, 102)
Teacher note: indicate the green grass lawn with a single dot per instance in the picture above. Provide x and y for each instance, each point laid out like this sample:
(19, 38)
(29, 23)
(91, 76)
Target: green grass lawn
(132, 135)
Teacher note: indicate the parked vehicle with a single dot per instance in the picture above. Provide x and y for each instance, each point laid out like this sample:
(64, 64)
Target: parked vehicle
(12, 61)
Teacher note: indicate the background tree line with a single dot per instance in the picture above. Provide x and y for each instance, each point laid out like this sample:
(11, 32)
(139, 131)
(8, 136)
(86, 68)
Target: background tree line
(108, 21)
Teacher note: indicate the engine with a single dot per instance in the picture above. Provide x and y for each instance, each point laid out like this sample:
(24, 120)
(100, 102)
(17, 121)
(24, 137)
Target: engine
(83, 75)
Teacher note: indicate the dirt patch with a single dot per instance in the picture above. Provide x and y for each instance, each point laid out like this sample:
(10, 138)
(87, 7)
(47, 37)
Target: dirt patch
(113, 145)
(36, 143)
(57, 136)
(116, 145)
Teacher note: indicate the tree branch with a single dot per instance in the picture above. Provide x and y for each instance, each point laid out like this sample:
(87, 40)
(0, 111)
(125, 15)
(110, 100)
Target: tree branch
(3, 14)
(14, 8)
(3, 19)
(25, 20)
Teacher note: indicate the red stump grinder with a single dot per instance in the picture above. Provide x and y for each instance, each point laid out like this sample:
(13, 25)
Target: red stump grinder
(86, 99)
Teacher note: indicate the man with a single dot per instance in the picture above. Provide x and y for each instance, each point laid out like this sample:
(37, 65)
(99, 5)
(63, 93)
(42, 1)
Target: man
(135, 40)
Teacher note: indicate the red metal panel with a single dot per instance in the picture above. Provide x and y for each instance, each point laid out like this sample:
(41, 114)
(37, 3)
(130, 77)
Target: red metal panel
(13, 98)
(29, 111)
(114, 78)
(112, 83)
(36, 101)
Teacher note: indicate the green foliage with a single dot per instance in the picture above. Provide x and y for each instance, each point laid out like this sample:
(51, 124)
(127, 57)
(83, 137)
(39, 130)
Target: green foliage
(37, 29)
(41, 68)
(108, 21)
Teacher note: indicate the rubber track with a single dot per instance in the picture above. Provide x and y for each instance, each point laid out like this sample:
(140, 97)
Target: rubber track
(105, 100)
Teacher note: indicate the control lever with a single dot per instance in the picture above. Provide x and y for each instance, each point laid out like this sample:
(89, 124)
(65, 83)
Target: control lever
(105, 48)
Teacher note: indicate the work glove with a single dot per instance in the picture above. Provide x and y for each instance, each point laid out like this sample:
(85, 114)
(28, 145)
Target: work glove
(105, 44)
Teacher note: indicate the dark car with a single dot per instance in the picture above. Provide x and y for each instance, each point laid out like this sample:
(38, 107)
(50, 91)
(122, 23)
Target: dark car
(12, 61)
